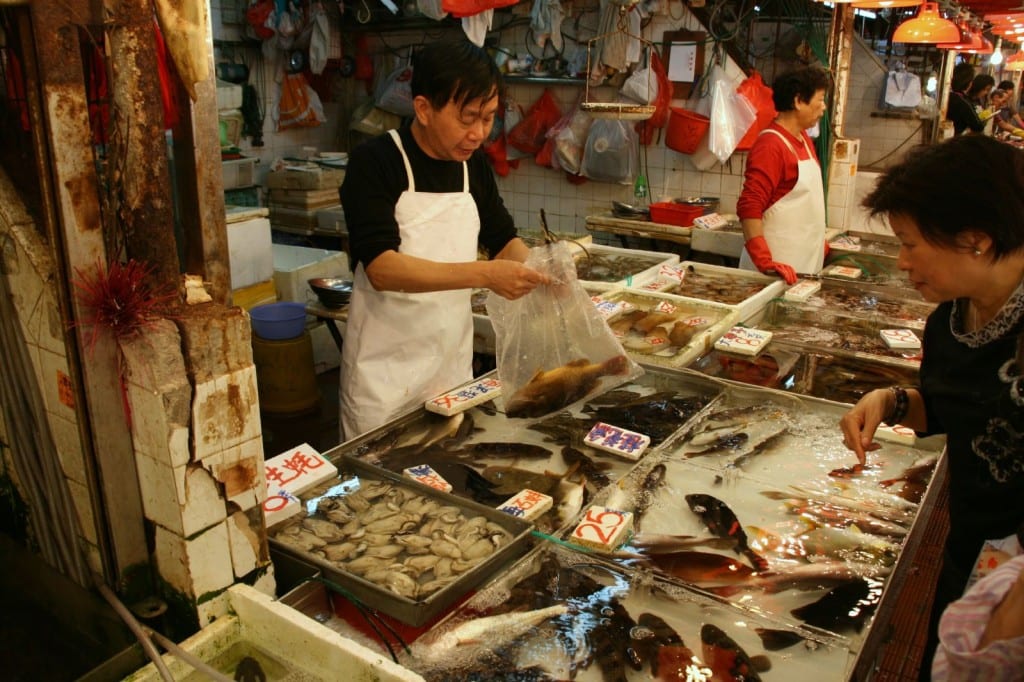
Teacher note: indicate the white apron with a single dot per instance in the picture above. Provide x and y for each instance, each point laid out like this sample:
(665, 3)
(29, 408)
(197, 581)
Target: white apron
(794, 226)
(401, 349)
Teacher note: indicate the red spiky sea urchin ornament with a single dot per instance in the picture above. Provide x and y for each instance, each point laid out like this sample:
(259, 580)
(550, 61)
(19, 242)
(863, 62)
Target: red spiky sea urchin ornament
(120, 299)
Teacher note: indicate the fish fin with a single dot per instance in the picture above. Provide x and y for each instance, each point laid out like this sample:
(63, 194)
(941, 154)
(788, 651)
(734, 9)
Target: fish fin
(579, 362)
(761, 663)
(776, 494)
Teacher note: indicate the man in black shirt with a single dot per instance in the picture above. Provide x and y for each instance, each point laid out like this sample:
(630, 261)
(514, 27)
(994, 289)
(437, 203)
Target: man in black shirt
(418, 203)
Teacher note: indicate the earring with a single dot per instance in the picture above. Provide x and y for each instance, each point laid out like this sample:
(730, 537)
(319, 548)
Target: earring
(977, 252)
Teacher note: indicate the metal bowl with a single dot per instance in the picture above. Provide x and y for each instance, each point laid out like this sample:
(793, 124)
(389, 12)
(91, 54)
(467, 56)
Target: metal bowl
(333, 292)
(709, 204)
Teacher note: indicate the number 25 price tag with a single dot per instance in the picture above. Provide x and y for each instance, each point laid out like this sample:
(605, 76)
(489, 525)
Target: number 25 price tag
(602, 529)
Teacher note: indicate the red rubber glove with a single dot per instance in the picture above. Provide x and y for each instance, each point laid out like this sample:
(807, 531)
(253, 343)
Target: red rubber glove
(761, 256)
(828, 250)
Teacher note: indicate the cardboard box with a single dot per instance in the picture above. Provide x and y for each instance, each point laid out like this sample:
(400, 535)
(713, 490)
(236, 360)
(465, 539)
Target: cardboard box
(307, 176)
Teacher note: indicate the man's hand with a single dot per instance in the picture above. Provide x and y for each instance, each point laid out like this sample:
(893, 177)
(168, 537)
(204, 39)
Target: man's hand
(511, 279)
(761, 256)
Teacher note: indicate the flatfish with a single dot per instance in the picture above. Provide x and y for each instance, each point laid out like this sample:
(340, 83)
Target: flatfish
(553, 389)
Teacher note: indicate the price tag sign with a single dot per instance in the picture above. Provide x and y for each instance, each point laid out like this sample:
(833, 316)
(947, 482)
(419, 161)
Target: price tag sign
(527, 504)
(743, 340)
(423, 473)
(609, 310)
(711, 221)
(845, 242)
(844, 272)
(896, 434)
(802, 290)
(465, 397)
(660, 284)
(902, 339)
(297, 470)
(621, 442)
(665, 307)
(602, 529)
(671, 272)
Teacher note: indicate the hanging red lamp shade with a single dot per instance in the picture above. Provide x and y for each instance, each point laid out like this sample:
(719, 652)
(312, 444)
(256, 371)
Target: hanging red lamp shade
(969, 40)
(985, 47)
(885, 4)
(927, 27)
(1015, 62)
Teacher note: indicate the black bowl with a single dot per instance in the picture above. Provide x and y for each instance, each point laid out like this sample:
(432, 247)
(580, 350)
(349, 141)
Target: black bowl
(333, 292)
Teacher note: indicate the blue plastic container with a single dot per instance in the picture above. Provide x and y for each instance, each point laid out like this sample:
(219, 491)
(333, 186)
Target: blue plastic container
(279, 321)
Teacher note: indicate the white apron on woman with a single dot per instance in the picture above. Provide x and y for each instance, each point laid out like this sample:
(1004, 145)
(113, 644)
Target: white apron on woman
(794, 226)
(401, 349)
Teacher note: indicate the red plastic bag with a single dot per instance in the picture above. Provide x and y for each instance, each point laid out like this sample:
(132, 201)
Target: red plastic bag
(529, 134)
(660, 116)
(257, 16)
(760, 97)
(467, 8)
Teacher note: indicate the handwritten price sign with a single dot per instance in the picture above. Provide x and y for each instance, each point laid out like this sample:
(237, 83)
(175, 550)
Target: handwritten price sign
(743, 340)
(665, 307)
(425, 474)
(527, 504)
(463, 398)
(622, 442)
(602, 529)
(901, 338)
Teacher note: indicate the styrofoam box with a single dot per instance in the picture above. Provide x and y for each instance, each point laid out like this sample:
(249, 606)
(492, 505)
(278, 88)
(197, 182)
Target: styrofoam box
(229, 95)
(657, 258)
(750, 306)
(239, 172)
(295, 265)
(250, 255)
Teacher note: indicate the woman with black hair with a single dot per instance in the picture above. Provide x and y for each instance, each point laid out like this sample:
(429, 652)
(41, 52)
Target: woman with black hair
(970, 262)
(782, 205)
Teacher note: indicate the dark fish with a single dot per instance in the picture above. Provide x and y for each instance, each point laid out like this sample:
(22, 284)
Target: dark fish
(591, 470)
(727, 660)
(516, 450)
(721, 521)
(508, 480)
(655, 477)
(702, 568)
(851, 471)
(775, 640)
(553, 389)
(249, 670)
(651, 634)
(658, 415)
(845, 607)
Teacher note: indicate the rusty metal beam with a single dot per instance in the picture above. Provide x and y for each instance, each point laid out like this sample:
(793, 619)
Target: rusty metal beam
(74, 227)
(840, 55)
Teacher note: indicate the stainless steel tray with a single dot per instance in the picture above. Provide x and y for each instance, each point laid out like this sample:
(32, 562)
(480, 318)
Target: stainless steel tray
(410, 610)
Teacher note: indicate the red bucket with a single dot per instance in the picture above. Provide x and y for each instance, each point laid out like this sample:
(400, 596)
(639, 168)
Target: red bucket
(685, 130)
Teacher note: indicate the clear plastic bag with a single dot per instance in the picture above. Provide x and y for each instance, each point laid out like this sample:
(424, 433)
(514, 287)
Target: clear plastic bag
(552, 345)
(611, 153)
(731, 117)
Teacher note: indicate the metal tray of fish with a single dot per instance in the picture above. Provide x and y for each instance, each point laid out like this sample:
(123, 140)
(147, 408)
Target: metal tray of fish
(668, 330)
(624, 267)
(560, 614)
(834, 332)
(395, 545)
(760, 503)
(867, 243)
(748, 291)
(875, 269)
(488, 458)
(808, 371)
(898, 307)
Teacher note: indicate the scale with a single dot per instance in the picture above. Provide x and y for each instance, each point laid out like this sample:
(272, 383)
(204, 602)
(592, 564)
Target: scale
(617, 110)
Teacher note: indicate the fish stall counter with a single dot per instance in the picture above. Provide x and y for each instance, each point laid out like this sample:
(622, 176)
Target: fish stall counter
(756, 546)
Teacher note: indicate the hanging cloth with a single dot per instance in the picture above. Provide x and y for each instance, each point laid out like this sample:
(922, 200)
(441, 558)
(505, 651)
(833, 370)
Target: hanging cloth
(902, 89)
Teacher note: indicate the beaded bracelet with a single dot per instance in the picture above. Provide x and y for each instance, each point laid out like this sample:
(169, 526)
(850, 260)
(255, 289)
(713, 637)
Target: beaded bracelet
(900, 407)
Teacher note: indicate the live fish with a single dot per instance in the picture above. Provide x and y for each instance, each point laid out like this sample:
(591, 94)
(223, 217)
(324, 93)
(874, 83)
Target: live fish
(553, 389)
(703, 569)
(915, 479)
(846, 606)
(776, 640)
(721, 521)
(727, 659)
(812, 540)
(657, 415)
(592, 471)
(651, 544)
(864, 505)
(651, 634)
(507, 625)
(813, 576)
(655, 477)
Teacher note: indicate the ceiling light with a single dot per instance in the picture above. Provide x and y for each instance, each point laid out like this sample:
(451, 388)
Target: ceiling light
(927, 27)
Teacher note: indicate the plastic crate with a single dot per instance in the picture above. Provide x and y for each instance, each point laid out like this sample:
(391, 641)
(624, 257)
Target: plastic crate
(239, 172)
(671, 213)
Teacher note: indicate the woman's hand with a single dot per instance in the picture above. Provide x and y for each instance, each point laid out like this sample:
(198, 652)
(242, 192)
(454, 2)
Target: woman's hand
(861, 422)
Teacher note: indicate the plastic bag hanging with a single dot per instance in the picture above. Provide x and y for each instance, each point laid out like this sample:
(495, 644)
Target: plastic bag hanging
(731, 117)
